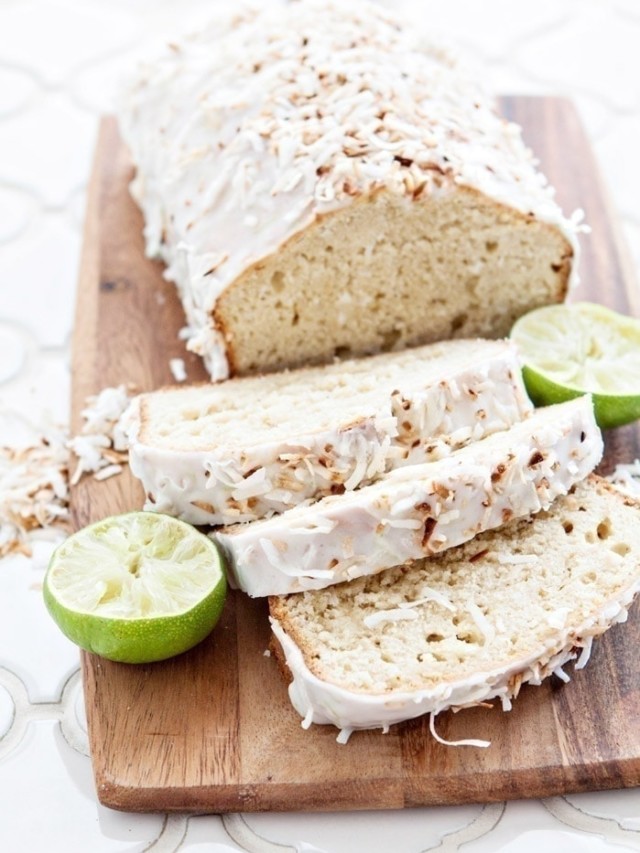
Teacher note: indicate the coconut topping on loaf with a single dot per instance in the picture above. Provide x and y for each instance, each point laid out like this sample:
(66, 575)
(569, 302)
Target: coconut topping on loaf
(511, 606)
(250, 447)
(418, 510)
(253, 129)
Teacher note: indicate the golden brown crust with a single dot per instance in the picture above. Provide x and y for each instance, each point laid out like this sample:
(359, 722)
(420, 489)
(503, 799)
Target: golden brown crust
(277, 652)
(277, 611)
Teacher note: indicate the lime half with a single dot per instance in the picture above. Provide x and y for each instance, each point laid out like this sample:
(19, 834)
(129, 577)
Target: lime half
(569, 350)
(136, 588)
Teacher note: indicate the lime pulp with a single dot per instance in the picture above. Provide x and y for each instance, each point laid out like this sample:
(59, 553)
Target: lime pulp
(570, 350)
(137, 587)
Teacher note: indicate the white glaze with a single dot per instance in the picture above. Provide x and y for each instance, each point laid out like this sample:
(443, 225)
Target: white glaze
(419, 510)
(246, 132)
(472, 397)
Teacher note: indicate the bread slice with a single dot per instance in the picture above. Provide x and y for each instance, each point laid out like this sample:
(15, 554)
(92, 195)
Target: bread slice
(419, 510)
(247, 448)
(511, 606)
(319, 182)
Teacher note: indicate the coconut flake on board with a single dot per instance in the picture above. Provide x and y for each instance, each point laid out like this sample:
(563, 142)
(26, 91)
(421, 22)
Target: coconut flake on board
(101, 442)
(178, 369)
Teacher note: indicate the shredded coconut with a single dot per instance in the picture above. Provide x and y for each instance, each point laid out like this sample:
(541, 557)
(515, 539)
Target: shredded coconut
(109, 471)
(35, 478)
(482, 623)
(252, 486)
(308, 719)
(403, 523)
(382, 616)
(100, 443)
(34, 490)
(561, 674)
(429, 594)
(505, 699)
(585, 654)
(177, 368)
(483, 744)
(344, 735)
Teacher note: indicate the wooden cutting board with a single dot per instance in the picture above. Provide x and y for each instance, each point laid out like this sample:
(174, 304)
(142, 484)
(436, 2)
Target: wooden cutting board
(213, 730)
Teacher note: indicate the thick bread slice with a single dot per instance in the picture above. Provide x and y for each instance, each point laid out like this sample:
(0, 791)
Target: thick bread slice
(509, 607)
(320, 181)
(419, 510)
(247, 448)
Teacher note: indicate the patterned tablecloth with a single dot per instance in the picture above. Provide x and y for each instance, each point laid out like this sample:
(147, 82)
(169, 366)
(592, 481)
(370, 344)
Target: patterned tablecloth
(59, 64)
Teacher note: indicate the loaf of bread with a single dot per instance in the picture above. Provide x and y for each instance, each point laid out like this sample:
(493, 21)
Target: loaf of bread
(250, 447)
(418, 510)
(320, 182)
(511, 606)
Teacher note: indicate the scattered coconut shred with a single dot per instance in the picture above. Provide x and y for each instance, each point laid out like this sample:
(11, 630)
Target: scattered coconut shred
(101, 447)
(35, 478)
(178, 369)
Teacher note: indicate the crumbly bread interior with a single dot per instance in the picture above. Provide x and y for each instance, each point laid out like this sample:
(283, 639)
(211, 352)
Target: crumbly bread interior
(387, 272)
(491, 602)
(280, 406)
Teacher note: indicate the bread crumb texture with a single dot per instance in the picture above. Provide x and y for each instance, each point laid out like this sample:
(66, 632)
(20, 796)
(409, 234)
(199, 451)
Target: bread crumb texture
(287, 405)
(383, 274)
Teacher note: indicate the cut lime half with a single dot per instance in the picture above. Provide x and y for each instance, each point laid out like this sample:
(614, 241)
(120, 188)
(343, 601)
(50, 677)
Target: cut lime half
(569, 350)
(136, 588)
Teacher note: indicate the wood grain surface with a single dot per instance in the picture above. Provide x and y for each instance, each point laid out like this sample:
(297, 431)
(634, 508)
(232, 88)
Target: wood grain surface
(213, 730)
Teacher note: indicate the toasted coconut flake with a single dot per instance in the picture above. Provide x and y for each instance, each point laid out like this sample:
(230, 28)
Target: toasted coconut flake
(109, 471)
(102, 434)
(35, 478)
(481, 744)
